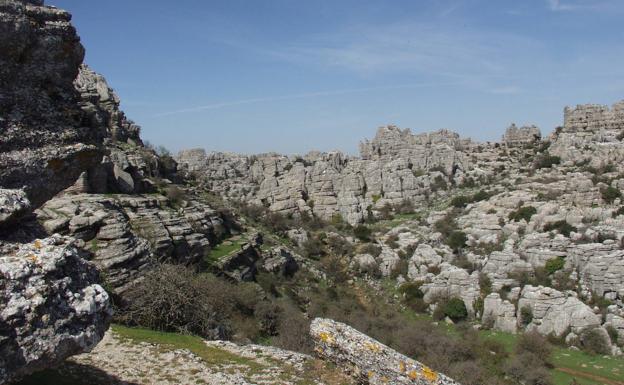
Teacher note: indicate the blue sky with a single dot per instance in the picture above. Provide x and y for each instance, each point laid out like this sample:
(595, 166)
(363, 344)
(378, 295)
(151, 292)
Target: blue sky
(292, 76)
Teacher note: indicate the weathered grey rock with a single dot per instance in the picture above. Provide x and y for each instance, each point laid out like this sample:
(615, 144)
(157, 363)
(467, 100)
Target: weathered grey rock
(280, 260)
(501, 314)
(13, 204)
(125, 234)
(556, 312)
(453, 282)
(525, 135)
(51, 307)
(368, 360)
(44, 142)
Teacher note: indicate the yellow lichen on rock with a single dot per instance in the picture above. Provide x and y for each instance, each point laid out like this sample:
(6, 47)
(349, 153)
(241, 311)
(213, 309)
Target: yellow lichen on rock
(373, 347)
(370, 374)
(412, 374)
(38, 244)
(429, 374)
(327, 338)
(402, 367)
(32, 258)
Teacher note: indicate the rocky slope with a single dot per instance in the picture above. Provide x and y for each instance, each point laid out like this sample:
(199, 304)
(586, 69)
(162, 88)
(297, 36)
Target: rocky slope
(527, 232)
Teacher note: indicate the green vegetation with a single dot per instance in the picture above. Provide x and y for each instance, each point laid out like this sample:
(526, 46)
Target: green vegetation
(524, 212)
(454, 308)
(610, 194)
(554, 264)
(222, 249)
(456, 240)
(568, 365)
(546, 160)
(561, 226)
(362, 232)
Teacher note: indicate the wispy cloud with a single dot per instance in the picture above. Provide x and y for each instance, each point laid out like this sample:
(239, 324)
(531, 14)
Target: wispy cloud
(582, 5)
(216, 106)
(426, 49)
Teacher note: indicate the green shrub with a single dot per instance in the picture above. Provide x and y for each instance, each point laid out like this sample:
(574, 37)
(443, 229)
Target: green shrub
(480, 195)
(595, 342)
(562, 226)
(362, 232)
(546, 161)
(485, 284)
(526, 315)
(460, 201)
(610, 194)
(524, 212)
(618, 212)
(456, 240)
(455, 309)
(554, 264)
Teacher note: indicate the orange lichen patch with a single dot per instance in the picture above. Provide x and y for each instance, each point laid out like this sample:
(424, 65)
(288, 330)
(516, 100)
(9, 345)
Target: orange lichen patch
(327, 338)
(370, 374)
(402, 366)
(32, 258)
(373, 347)
(412, 374)
(38, 244)
(429, 374)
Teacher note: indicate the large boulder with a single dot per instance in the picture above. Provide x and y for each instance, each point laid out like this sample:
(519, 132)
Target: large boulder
(554, 312)
(367, 359)
(51, 307)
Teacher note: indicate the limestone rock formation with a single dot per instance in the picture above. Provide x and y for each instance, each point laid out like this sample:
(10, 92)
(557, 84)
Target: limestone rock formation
(125, 234)
(370, 361)
(556, 312)
(525, 135)
(50, 306)
(45, 141)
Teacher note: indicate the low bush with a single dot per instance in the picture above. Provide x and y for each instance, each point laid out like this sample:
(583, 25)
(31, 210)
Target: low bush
(173, 298)
(456, 240)
(524, 212)
(610, 194)
(454, 308)
(526, 315)
(362, 232)
(554, 264)
(594, 341)
(561, 226)
(546, 160)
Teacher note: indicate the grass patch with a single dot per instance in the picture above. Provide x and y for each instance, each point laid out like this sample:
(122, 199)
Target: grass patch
(607, 367)
(223, 249)
(172, 341)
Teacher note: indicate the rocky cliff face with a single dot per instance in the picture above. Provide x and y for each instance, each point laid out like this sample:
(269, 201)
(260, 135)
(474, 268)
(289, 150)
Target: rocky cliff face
(46, 139)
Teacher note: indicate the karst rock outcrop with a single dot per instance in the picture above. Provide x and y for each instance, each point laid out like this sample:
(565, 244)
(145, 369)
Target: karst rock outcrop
(367, 359)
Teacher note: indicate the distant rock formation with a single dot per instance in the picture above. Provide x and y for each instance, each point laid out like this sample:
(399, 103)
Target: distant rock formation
(369, 360)
(525, 135)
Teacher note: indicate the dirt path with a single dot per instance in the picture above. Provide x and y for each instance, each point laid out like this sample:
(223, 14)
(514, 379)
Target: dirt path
(590, 376)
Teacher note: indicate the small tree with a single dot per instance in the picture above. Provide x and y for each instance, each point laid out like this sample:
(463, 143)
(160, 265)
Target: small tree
(457, 240)
(610, 194)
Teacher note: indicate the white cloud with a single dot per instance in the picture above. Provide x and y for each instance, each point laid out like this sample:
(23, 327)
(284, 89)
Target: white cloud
(582, 5)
